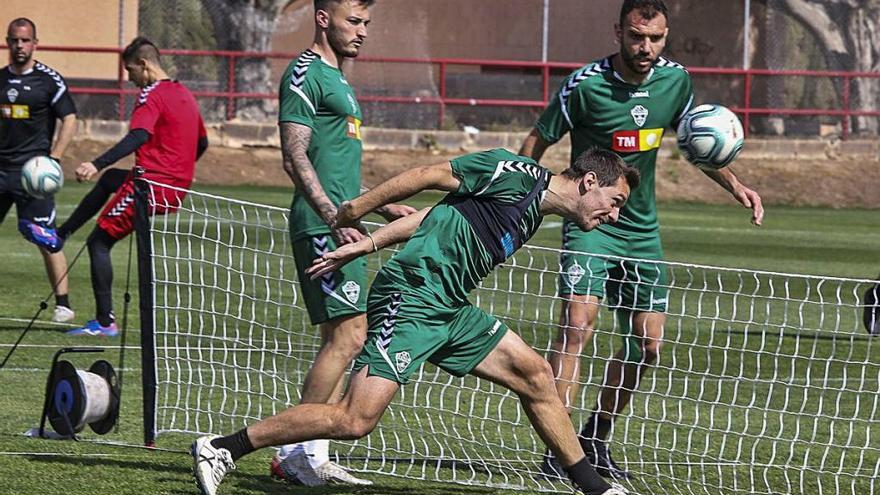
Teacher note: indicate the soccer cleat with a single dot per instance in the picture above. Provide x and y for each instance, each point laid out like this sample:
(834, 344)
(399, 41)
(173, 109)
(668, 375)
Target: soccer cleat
(63, 314)
(93, 328)
(295, 468)
(597, 454)
(334, 474)
(616, 490)
(280, 470)
(41, 236)
(210, 464)
(551, 469)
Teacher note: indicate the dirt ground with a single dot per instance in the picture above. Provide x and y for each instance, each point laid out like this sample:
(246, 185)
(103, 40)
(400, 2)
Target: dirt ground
(834, 183)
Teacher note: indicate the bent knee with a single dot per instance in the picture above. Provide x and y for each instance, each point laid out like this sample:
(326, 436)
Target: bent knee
(652, 350)
(346, 348)
(575, 333)
(536, 376)
(642, 350)
(355, 426)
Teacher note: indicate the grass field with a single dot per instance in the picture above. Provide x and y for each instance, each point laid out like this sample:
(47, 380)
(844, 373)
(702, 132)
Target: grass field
(764, 368)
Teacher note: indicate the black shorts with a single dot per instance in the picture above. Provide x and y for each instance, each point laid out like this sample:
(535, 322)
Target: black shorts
(27, 207)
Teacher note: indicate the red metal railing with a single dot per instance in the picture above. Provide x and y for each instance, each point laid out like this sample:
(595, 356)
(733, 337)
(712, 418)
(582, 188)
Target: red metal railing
(442, 100)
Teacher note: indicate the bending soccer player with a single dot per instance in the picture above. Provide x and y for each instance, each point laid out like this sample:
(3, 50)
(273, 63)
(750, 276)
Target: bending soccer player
(418, 308)
(621, 103)
(32, 98)
(319, 120)
(167, 136)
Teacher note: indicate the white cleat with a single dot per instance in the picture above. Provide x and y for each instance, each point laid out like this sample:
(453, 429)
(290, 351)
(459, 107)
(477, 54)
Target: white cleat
(296, 469)
(210, 464)
(334, 474)
(63, 314)
(616, 490)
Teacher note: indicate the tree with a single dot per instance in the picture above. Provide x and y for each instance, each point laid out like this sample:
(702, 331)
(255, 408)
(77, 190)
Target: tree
(849, 34)
(248, 25)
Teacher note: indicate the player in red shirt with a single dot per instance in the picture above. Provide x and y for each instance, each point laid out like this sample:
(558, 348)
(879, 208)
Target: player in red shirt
(167, 136)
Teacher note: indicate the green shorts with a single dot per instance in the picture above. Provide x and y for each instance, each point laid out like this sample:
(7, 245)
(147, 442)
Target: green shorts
(407, 329)
(598, 263)
(339, 293)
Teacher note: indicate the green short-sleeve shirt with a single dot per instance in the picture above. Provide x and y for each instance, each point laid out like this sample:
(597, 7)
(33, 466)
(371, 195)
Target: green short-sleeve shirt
(493, 213)
(598, 108)
(315, 94)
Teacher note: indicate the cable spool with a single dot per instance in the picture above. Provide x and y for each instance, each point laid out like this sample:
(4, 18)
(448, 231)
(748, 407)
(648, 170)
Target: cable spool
(80, 397)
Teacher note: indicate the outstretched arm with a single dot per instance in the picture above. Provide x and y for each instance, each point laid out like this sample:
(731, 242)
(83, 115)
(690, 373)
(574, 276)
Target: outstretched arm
(126, 146)
(295, 140)
(397, 231)
(746, 197)
(534, 146)
(391, 212)
(409, 183)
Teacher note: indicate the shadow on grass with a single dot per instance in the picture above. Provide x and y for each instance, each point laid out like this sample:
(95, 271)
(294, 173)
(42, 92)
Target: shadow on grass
(39, 326)
(173, 471)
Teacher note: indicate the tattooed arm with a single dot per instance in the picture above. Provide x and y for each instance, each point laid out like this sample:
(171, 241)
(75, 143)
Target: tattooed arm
(295, 140)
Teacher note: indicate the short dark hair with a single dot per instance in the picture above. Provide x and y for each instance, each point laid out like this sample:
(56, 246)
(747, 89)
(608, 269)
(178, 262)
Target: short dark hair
(647, 8)
(325, 4)
(22, 21)
(607, 166)
(141, 48)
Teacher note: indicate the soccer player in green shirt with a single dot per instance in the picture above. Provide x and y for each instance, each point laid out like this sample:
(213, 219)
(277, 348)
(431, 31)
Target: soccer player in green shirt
(418, 309)
(320, 124)
(622, 103)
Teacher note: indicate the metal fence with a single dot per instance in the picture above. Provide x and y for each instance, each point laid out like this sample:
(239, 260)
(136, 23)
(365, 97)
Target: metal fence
(538, 82)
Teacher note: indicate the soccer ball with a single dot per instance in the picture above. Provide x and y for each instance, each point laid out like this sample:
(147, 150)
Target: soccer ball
(41, 177)
(710, 136)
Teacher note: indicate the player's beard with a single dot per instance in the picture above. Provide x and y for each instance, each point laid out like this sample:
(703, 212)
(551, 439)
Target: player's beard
(21, 58)
(631, 62)
(341, 46)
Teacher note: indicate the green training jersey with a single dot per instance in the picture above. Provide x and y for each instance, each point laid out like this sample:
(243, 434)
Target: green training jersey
(599, 109)
(314, 94)
(495, 210)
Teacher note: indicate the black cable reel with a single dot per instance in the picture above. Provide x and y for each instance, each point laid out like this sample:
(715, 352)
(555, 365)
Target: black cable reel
(75, 398)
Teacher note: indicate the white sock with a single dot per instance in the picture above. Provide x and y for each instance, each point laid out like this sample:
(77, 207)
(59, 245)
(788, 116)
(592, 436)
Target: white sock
(286, 450)
(318, 452)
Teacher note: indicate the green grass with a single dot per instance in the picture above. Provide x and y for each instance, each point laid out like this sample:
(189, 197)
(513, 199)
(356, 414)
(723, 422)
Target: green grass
(779, 362)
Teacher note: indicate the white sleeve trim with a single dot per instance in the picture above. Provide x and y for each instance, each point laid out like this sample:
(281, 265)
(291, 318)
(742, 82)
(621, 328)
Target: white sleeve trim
(304, 97)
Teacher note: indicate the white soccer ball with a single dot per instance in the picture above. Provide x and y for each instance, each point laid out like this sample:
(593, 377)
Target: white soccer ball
(710, 136)
(41, 177)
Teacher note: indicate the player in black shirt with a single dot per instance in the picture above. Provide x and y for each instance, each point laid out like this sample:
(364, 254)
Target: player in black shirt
(32, 98)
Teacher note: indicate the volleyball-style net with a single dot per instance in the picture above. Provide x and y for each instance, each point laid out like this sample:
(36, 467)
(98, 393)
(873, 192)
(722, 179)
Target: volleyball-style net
(767, 382)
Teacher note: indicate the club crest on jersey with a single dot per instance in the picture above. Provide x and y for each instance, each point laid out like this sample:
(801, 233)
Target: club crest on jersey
(575, 273)
(639, 115)
(12, 94)
(351, 290)
(352, 103)
(402, 360)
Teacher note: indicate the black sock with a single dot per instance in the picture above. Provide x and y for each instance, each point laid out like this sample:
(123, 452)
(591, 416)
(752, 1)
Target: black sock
(62, 300)
(238, 444)
(597, 427)
(105, 319)
(586, 478)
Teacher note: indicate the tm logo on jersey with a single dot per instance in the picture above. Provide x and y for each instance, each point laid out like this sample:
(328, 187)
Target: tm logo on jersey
(354, 128)
(636, 141)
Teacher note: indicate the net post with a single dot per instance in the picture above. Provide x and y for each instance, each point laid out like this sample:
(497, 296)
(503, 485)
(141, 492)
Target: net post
(146, 287)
